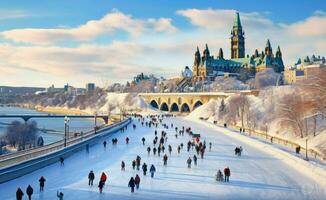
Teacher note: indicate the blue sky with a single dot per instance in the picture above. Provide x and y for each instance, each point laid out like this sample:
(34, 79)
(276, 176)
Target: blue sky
(44, 42)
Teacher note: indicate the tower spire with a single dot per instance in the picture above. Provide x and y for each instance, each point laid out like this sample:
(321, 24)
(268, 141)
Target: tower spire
(237, 39)
(237, 22)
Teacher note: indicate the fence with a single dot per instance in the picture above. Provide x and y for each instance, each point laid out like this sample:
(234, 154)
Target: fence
(15, 165)
(274, 139)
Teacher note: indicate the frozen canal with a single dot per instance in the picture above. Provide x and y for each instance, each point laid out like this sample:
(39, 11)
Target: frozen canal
(254, 175)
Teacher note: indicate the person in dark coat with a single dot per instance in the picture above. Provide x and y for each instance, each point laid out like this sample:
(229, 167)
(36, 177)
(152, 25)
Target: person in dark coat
(144, 167)
(91, 177)
(127, 140)
(104, 144)
(152, 171)
(29, 192)
(123, 165)
(143, 140)
(138, 159)
(165, 159)
(148, 150)
(101, 185)
(227, 174)
(19, 194)
(189, 162)
(179, 148)
(195, 160)
(62, 161)
(60, 195)
(42, 181)
(131, 184)
(133, 164)
(137, 181)
(170, 149)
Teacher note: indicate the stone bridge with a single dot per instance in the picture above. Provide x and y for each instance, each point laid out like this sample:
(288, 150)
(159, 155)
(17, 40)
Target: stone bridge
(186, 102)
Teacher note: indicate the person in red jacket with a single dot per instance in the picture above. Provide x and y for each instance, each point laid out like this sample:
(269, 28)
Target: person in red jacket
(227, 174)
(137, 181)
(103, 178)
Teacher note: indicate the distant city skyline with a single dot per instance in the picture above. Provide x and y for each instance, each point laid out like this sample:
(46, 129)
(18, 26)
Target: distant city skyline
(59, 42)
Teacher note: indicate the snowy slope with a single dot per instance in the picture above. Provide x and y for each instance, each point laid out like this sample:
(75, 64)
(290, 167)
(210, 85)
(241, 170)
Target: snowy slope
(255, 175)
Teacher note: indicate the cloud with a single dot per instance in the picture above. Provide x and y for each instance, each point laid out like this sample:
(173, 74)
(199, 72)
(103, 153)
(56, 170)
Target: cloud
(307, 34)
(111, 23)
(6, 14)
(146, 49)
(310, 27)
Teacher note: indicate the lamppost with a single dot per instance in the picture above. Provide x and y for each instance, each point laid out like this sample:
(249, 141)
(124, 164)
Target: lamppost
(307, 149)
(95, 116)
(66, 121)
(266, 130)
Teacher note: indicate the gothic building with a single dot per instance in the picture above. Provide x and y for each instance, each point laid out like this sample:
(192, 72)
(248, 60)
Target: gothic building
(207, 67)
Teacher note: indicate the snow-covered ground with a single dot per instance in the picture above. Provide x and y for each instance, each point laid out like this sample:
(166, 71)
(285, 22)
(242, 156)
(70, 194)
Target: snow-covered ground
(255, 175)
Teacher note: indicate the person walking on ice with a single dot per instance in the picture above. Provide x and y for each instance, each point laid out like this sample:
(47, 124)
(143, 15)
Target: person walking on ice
(42, 181)
(29, 192)
(144, 167)
(189, 162)
(91, 177)
(195, 160)
(19, 194)
(137, 181)
(131, 184)
(148, 150)
(219, 176)
(165, 159)
(123, 165)
(227, 174)
(60, 195)
(152, 170)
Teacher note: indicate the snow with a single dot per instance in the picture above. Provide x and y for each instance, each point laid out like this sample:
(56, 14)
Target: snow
(257, 174)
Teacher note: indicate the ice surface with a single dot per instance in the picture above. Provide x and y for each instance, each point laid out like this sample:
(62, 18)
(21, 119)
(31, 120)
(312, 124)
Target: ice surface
(255, 175)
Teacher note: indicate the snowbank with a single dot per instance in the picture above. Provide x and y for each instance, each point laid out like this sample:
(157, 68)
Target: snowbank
(310, 170)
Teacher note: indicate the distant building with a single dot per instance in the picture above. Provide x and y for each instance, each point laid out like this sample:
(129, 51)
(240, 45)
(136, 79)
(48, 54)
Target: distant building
(52, 89)
(206, 67)
(90, 88)
(141, 77)
(304, 68)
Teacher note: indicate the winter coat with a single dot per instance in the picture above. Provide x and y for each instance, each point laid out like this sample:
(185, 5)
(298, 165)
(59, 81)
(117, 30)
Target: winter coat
(131, 182)
(103, 177)
(152, 169)
(60, 195)
(227, 172)
(19, 194)
(101, 184)
(91, 175)
(189, 161)
(42, 181)
(137, 179)
(29, 190)
(144, 167)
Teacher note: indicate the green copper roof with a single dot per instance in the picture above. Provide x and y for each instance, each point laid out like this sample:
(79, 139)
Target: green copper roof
(237, 22)
(268, 44)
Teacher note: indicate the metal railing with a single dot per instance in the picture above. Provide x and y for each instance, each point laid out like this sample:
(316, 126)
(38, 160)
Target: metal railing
(281, 141)
(20, 156)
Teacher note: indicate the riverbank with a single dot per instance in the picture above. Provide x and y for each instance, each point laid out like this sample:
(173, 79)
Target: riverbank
(60, 110)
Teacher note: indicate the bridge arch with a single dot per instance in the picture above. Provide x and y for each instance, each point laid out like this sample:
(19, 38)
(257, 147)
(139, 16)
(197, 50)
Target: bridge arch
(154, 104)
(185, 108)
(164, 107)
(174, 107)
(197, 104)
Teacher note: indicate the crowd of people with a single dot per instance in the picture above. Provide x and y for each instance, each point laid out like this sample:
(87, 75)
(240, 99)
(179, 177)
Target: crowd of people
(157, 148)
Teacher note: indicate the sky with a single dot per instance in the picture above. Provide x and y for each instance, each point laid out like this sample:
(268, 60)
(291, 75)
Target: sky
(76, 42)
